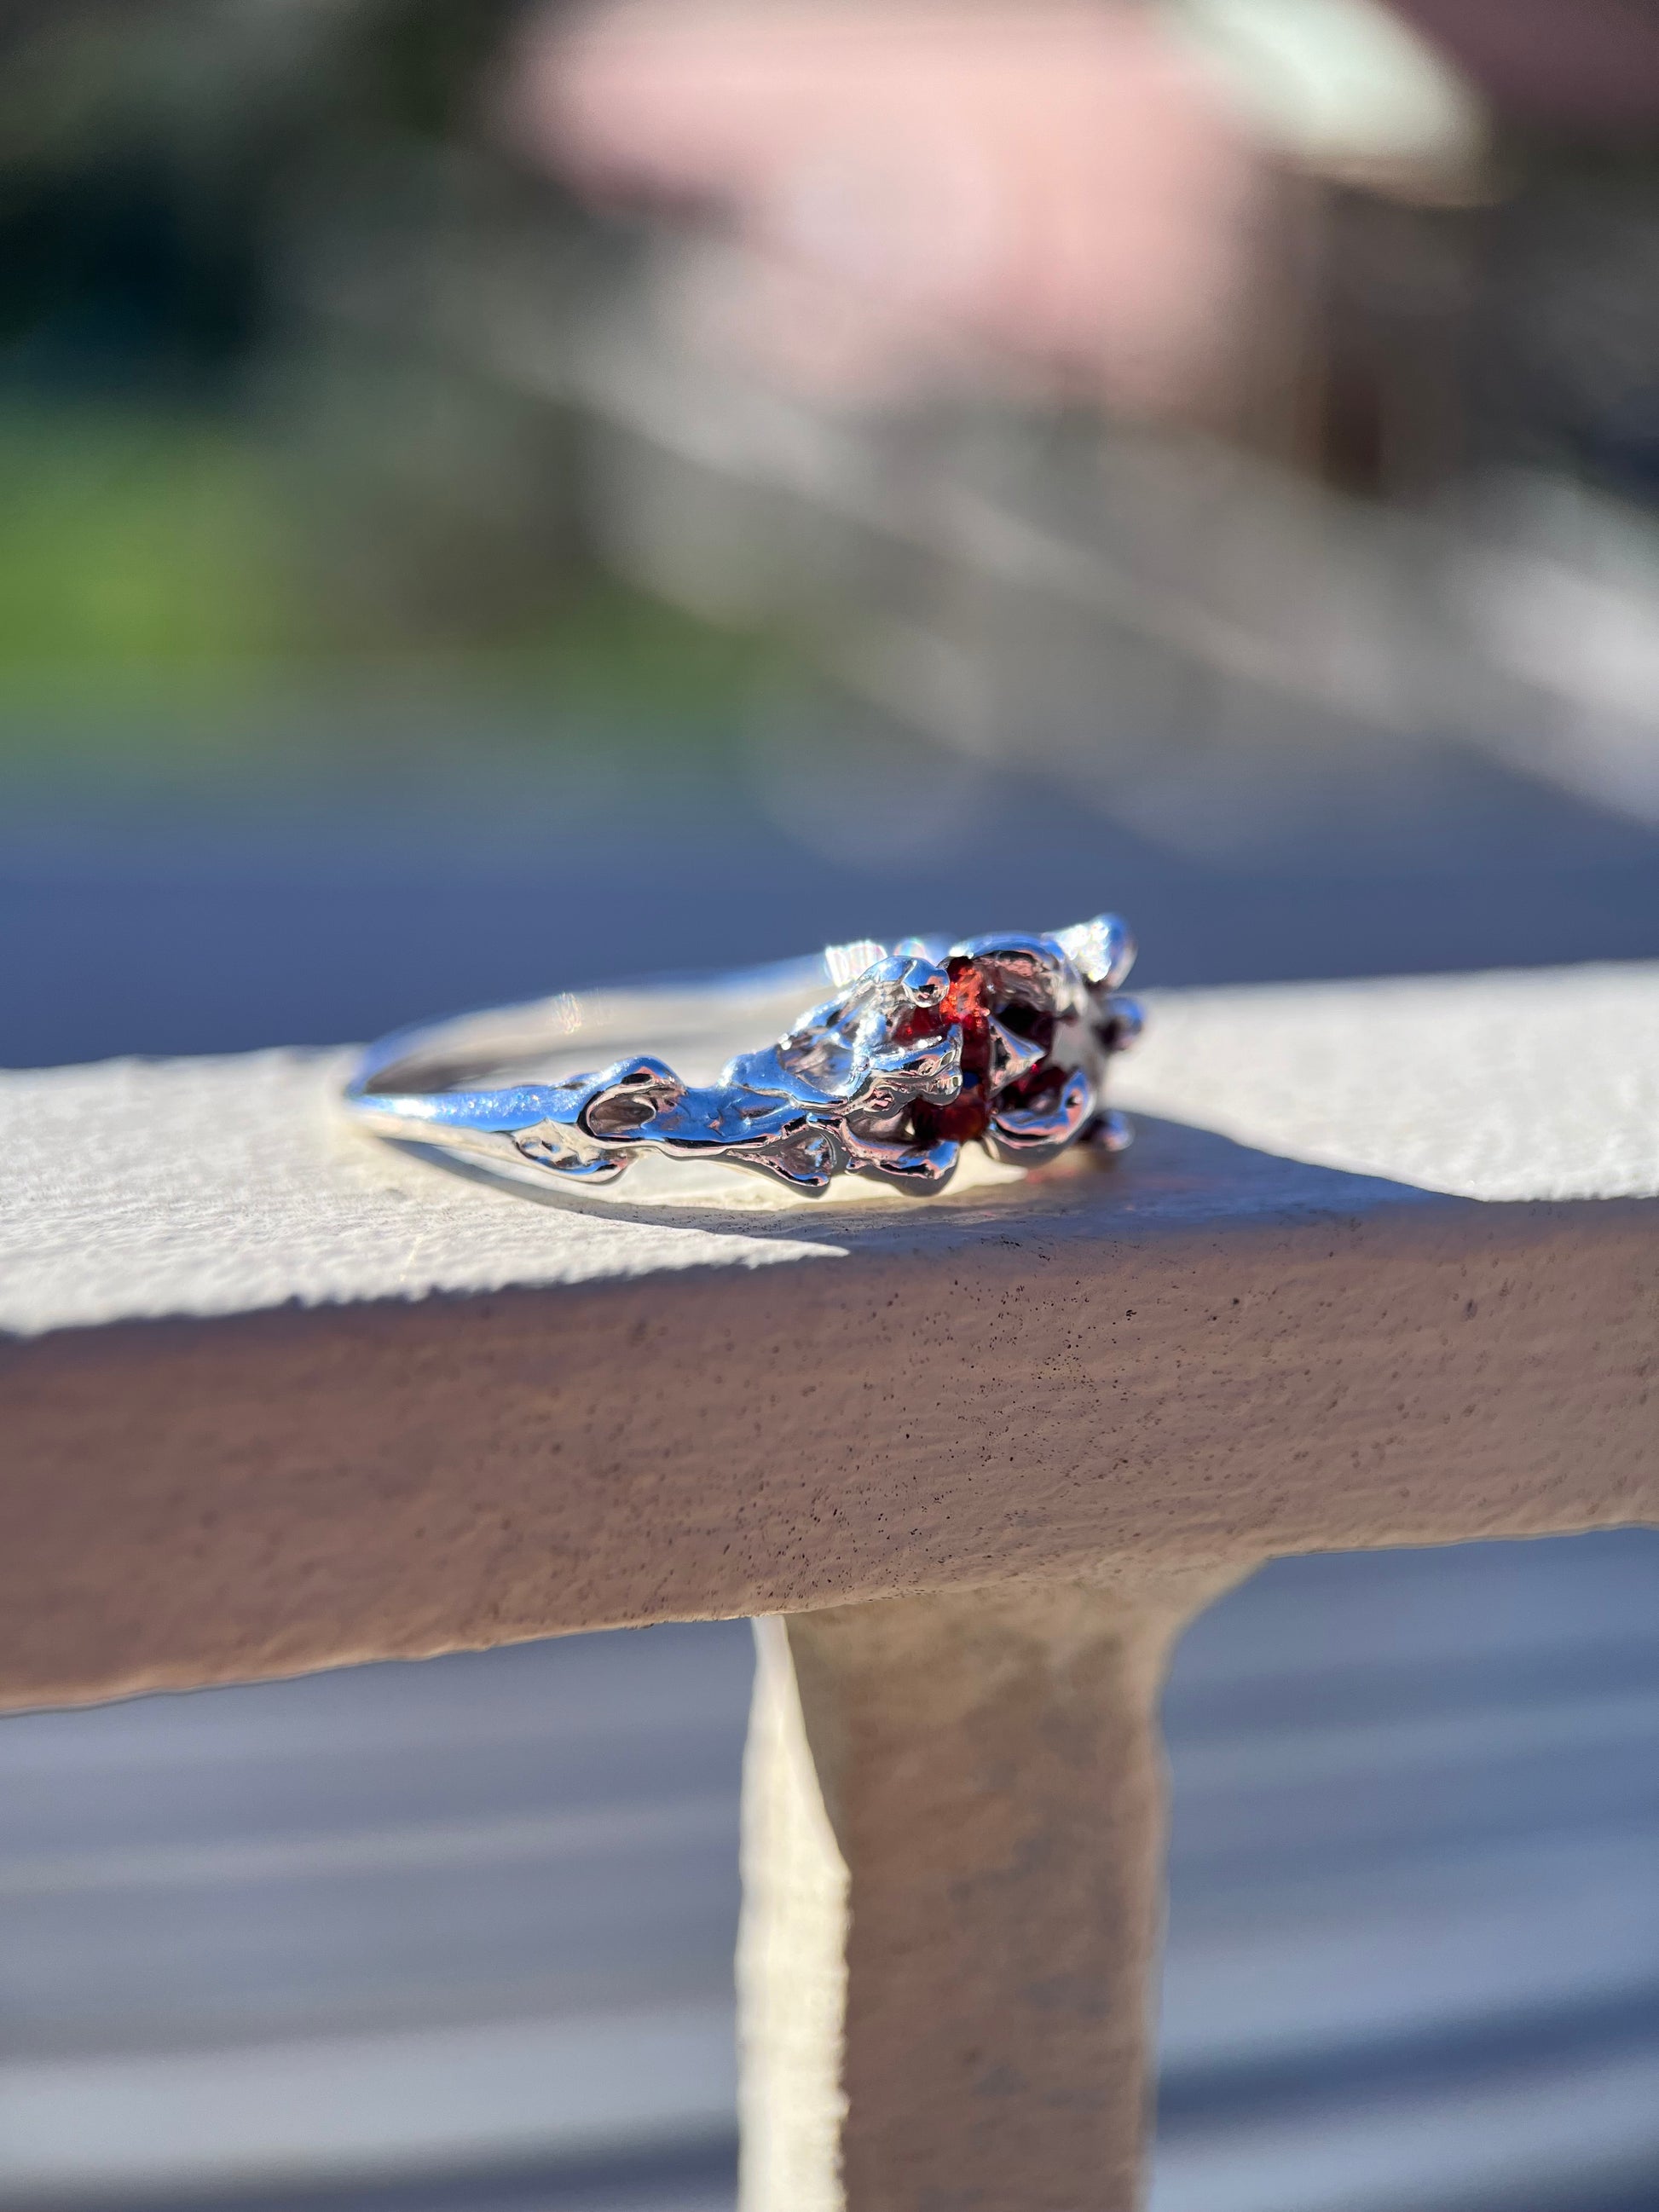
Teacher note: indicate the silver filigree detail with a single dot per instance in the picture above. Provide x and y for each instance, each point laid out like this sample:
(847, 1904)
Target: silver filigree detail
(918, 1051)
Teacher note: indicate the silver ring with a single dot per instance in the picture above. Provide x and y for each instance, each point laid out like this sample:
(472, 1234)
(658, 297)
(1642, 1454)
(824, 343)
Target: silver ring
(918, 1051)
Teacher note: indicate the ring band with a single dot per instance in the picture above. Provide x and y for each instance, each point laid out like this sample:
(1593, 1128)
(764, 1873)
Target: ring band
(917, 1051)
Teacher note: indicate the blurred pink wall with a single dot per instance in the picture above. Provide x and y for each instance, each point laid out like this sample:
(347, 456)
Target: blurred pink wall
(1057, 185)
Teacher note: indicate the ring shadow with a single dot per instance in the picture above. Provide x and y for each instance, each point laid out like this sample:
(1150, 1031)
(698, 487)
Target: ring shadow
(1177, 1174)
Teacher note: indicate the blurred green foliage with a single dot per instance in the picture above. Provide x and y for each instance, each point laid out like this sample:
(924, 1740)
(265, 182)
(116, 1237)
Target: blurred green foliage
(262, 487)
(138, 549)
(162, 561)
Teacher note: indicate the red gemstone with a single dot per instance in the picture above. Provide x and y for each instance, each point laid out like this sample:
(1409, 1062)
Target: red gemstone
(916, 1026)
(964, 1003)
(968, 1115)
(965, 1118)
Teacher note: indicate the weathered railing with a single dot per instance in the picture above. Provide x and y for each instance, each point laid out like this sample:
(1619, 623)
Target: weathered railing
(1383, 1269)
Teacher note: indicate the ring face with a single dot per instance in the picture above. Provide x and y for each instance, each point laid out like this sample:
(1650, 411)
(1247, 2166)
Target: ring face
(919, 1051)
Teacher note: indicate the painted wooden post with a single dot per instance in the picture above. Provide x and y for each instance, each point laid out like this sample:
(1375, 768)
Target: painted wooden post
(953, 1881)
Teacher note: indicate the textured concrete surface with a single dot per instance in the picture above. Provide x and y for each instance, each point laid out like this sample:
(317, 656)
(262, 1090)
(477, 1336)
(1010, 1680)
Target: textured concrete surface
(276, 1398)
(143, 1187)
(1525, 1084)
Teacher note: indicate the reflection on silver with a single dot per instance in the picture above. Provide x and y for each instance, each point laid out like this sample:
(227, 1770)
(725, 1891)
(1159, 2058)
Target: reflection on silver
(918, 1051)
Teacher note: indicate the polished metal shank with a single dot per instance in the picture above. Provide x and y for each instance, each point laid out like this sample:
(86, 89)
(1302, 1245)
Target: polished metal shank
(917, 1051)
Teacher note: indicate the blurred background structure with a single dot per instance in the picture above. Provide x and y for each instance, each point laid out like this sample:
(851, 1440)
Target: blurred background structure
(495, 494)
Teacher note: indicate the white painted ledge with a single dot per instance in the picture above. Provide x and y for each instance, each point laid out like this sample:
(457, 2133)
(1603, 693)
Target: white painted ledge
(1534, 1084)
(146, 1187)
(277, 1397)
